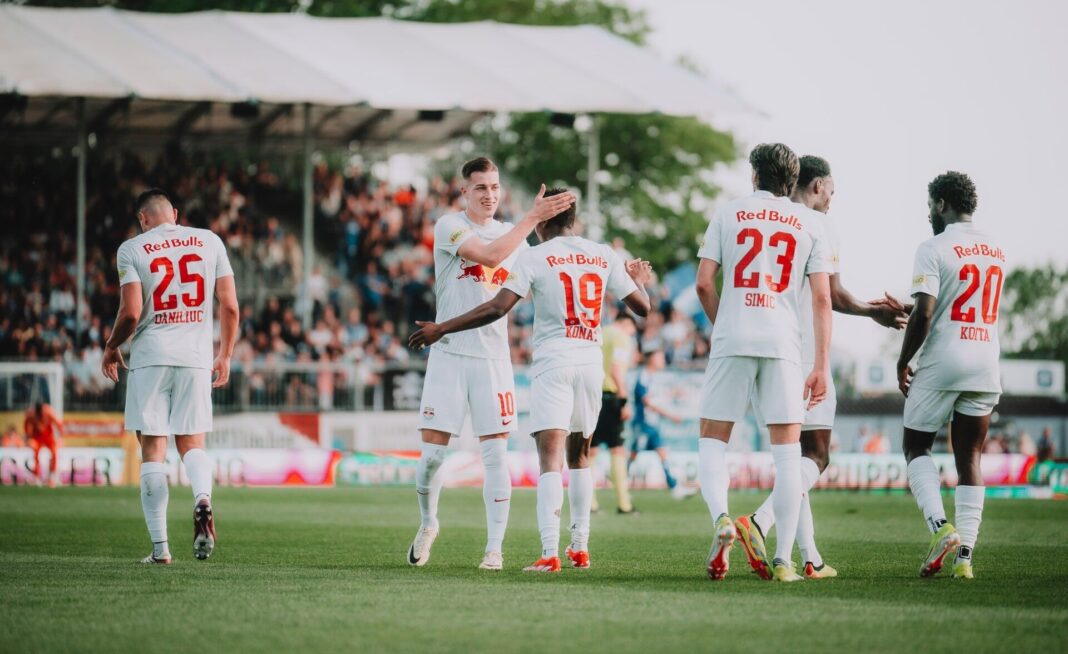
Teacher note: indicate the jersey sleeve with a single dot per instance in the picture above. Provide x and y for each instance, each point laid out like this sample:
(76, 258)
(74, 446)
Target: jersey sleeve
(819, 259)
(450, 233)
(521, 276)
(712, 248)
(125, 262)
(619, 282)
(222, 260)
(925, 271)
(834, 249)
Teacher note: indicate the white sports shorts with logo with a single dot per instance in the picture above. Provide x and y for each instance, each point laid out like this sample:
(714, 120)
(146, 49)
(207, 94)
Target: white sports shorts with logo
(776, 388)
(928, 410)
(567, 398)
(822, 415)
(165, 400)
(457, 385)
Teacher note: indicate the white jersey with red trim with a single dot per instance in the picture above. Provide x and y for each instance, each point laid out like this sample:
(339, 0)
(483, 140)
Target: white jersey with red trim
(462, 285)
(804, 304)
(963, 269)
(567, 277)
(177, 267)
(766, 245)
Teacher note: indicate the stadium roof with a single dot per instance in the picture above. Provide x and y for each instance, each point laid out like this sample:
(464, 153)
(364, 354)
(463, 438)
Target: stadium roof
(368, 78)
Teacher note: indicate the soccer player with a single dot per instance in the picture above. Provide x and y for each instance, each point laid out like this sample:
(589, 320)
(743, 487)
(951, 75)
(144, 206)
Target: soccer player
(470, 374)
(956, 285)
(42, 426)
(169, 275)
(766, 245)
(646, 434)
(618, 348)
(566, 275)
(815, 188)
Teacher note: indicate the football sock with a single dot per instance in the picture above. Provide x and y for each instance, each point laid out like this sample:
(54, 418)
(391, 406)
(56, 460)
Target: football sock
(969, 501)
(786, 497)
(154, 495)
(496, 491)
(579, 495)
(428, 482)
(198, 468)
(671, 483)
(764, 516)
(713, 475)
(806, 532)
(550, 501)
(620, 482)
(926, 487)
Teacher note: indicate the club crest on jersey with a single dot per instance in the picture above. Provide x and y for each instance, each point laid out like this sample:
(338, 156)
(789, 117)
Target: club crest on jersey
(489, 277)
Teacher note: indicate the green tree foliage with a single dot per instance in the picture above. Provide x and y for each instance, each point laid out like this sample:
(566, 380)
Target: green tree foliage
(656, 183)
(1034, 307)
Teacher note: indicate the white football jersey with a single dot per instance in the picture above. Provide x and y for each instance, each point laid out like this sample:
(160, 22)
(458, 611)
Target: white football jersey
(804, 304)
(567, 277)
(963, 270)
(462, 285)
(177, 267)
(766, 246)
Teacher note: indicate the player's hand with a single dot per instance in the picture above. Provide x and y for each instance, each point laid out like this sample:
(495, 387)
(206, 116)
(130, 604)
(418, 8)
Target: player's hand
(427, 334)
(904, 378)
(888, 315)
(220, 371)
(677, 419)
(640, 271)
(547, 207)
(627, 412)
(815, 388)
(111, 363)
(890, 300)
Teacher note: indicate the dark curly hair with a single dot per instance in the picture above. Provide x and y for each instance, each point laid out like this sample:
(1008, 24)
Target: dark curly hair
(957, 189)
(812, 167)
(776, 168)
(565, 218)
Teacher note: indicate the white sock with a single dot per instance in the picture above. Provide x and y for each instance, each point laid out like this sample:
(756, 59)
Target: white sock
(764, 516)
(550, 501)
(969, 501)
(712, 475)
(154, 495)
(786, 497)
(496, 491)
(806, 532)
(198, 467)
(428, 483)
(580, 499)
(926, 485)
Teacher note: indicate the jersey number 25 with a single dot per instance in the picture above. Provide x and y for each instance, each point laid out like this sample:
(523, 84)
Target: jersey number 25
(163, 302)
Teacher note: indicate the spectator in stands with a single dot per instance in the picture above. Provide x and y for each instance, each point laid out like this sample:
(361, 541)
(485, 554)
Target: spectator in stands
(1045, 445)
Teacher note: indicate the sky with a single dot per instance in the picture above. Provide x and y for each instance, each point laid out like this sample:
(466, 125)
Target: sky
(893, 94)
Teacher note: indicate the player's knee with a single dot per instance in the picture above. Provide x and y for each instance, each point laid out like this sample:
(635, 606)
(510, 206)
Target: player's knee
(493, 452)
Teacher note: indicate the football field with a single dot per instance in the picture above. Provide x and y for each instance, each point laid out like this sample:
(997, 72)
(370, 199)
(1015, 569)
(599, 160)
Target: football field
(325, 571)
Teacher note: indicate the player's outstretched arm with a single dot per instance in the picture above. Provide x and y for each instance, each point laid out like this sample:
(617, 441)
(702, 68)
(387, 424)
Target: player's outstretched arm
(642, 273)
(130, 305)
(485, 313)
(816, 384)
(883, 312)
(229, 316)
(915, 334)
(493, 253)
(706, 288)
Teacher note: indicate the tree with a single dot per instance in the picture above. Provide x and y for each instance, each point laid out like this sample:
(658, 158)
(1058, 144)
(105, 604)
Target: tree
(1034, 308)
(656, 184)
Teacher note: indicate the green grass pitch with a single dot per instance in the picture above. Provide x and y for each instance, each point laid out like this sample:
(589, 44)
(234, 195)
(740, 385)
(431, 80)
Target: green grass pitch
(324, 571)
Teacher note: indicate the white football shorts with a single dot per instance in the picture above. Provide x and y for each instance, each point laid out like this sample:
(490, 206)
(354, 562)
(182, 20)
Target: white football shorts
(776, 388)
(567, 398)
(166, 400)
(456, 385)
(928, 410)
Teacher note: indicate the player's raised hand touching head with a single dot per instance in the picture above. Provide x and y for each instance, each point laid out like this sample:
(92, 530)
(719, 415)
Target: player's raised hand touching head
(545, 207)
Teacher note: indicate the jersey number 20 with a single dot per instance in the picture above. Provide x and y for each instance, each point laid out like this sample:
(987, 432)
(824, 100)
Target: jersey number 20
(991, 294)
(163, 302)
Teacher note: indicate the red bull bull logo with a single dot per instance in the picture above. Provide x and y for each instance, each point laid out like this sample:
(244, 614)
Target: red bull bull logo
(473, 271)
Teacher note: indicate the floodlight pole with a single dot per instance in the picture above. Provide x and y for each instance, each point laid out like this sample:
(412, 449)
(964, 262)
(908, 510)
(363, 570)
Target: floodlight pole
(83, 153)
(593, 166)
(309, 248)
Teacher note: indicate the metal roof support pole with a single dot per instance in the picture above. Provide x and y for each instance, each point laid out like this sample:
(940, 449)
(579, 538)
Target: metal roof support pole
(309, 248)
(593, 190)
(83, 154)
